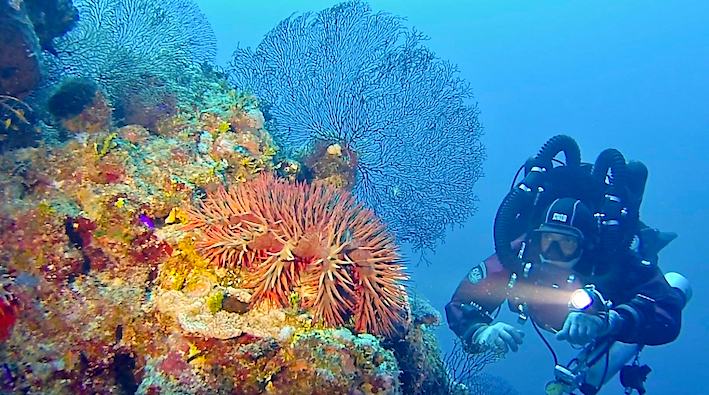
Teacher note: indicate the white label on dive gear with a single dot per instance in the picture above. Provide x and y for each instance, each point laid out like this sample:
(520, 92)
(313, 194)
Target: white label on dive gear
(476, 274)
(559, 217)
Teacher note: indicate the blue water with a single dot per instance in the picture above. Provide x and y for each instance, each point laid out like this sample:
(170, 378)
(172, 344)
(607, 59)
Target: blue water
(630, 75)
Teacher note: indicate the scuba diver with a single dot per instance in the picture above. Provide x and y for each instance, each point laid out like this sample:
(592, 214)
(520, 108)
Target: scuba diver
(573, 257)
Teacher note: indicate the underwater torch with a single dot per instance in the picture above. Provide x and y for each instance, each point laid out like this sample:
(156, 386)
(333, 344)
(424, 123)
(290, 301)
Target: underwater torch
(588, 300)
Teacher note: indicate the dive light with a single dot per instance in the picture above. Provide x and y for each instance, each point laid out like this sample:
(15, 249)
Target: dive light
(588, 300)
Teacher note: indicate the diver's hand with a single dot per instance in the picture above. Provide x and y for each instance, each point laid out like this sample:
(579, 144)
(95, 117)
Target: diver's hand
(581, 328)
(499, 335)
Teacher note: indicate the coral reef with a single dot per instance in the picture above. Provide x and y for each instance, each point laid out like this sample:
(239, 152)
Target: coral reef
(20, 70)
(349, 77)
(170, 243)
(17, 124)
(71, 97)
(28, 27)
(51, 19)
(80, 106)
(93, 118)
(137, 49)
(149, 112)
(102, 233)
(422, 370)
(332, 165)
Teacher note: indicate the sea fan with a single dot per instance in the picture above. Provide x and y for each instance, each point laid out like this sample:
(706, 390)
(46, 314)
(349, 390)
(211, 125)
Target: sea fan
(405, 119)
(309, 239)
(136, 49)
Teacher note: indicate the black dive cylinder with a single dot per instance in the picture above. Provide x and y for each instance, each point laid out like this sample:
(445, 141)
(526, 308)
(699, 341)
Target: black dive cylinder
(509, 219)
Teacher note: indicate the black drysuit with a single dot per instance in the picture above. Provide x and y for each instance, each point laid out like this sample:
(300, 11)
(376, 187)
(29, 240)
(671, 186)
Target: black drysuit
(650, 307)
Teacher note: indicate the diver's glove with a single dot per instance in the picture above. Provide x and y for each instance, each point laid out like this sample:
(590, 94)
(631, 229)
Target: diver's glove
(581, 327)
(498, 335)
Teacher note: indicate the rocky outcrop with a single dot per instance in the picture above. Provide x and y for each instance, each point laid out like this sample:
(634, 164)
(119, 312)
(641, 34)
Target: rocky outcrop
(20, 68)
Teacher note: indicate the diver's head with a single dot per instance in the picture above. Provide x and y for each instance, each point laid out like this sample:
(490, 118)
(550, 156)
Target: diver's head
(565, 233)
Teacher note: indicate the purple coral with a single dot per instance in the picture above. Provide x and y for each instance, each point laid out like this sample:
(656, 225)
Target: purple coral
(348, 76)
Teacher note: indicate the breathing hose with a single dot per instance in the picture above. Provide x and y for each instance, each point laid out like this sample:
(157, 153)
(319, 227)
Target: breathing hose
(557, 144)
(614, 206)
